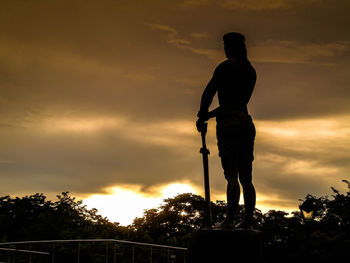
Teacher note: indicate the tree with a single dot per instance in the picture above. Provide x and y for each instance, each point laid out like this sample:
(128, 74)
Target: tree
(35, 218)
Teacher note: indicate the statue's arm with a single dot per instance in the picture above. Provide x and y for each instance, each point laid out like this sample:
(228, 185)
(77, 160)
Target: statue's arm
(214, 113)
(207, 98)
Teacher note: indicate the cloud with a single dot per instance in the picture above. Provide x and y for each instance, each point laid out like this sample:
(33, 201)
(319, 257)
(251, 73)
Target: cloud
(249, 4)
(199, 35)
(301, 83)
(85, 125)
(194, 3)
(172, 32)
(306, 90)
(296, 52)
(87, 155)
(212, 54)
(270, 51)
(100, 97)
(69, 154)
(264, 4)
(172, 35)
(20, 57)
(297, 157)
(140, 76)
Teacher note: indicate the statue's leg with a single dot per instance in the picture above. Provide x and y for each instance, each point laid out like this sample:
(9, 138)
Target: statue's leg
(233, 189)
(245, 178)
(245, 161)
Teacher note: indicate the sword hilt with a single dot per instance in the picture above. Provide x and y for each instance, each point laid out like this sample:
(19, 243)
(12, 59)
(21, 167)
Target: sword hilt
(204, 129)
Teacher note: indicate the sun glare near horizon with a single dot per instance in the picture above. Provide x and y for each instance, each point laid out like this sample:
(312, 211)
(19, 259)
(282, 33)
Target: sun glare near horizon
(123, 204)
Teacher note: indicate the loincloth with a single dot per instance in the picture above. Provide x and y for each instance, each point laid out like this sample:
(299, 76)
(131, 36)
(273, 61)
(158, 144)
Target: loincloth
(235, 132)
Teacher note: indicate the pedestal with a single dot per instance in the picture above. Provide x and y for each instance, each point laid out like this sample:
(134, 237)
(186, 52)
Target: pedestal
(219, 246)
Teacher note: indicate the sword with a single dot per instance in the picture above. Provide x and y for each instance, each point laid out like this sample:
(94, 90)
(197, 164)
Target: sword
(205, 152)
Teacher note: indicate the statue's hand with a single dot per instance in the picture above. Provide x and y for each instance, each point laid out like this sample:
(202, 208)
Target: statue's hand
(201, 125)
(203, 115)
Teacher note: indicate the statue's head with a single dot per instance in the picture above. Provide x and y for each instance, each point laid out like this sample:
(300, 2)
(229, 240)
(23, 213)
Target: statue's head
(234, 45)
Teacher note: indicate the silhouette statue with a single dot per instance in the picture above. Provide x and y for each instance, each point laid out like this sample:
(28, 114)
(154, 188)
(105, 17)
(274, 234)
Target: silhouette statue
(234, 81)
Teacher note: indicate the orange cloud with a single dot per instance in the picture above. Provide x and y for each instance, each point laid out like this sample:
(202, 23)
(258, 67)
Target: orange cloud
(249, 4)
(296, 52)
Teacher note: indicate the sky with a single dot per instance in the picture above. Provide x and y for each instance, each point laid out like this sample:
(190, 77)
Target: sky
(99, 98)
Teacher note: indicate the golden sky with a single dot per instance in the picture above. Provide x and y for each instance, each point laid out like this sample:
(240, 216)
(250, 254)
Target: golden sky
(99, 98)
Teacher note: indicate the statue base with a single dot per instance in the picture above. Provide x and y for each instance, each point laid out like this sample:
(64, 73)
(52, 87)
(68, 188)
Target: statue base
(219, 246)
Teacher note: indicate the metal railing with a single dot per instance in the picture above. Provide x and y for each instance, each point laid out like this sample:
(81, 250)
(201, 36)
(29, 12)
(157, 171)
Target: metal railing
(90, 250)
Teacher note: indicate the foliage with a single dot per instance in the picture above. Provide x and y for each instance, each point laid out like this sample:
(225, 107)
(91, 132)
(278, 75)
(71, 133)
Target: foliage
(35, 218)
(174, 221)
(325, 239)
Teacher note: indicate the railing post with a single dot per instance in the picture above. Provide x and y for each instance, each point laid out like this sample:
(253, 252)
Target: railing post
(114, 253)
(30, 253)
(78, 252)
(151, 254)
(53, 253)
(133, 253)
(168, 256)
(106, 252)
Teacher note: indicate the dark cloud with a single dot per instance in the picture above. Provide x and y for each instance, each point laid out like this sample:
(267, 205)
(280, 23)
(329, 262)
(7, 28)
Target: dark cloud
(147, 63)
(300, 90)
(88, 162)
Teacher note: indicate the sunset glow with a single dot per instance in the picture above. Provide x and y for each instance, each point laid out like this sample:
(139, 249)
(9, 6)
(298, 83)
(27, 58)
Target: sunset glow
(100, 98)
(124, 203)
